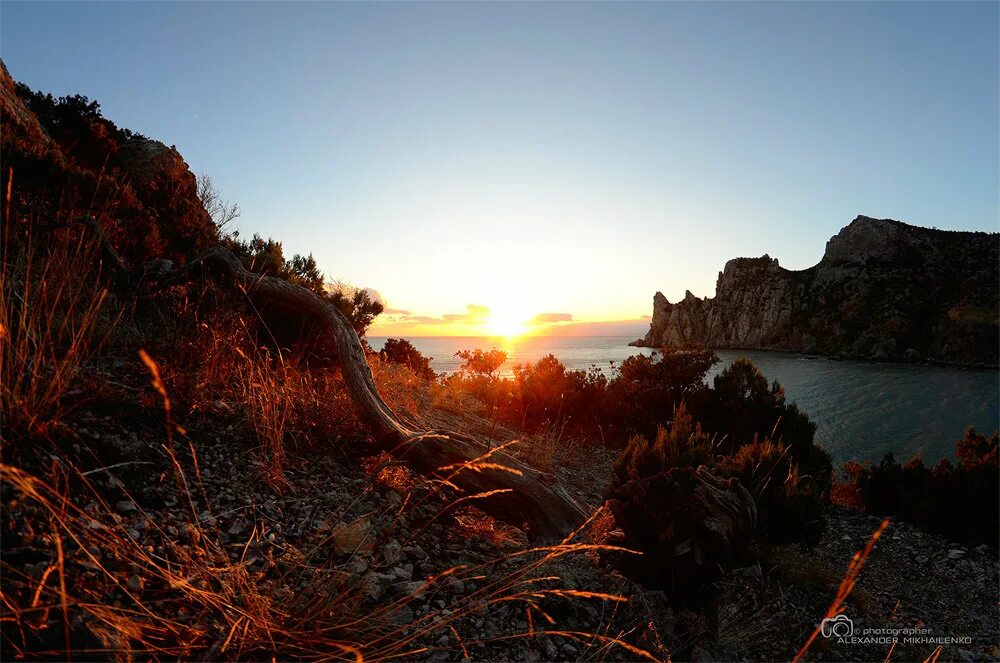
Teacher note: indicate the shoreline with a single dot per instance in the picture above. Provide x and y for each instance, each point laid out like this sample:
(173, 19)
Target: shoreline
(639, 343)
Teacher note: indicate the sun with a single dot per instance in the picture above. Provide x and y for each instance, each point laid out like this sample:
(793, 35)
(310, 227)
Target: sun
(507, 322)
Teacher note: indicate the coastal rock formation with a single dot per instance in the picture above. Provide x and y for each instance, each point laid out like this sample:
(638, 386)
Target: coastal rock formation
(884, 290)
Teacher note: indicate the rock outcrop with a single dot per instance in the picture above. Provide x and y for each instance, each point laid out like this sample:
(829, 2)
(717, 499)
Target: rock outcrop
(21, 129)
(884, 290)
(62, 159)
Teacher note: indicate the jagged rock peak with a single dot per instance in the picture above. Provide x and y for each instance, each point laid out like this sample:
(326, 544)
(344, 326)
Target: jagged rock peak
(884, 290)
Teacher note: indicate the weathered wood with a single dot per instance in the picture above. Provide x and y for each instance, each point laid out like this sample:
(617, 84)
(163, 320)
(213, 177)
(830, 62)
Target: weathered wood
(521, 495)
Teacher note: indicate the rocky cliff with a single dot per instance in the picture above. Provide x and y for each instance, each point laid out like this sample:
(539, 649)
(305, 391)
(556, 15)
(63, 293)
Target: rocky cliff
(883, 290)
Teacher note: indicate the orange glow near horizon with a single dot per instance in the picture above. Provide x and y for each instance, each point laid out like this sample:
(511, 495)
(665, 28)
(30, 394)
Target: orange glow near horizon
(504, 317)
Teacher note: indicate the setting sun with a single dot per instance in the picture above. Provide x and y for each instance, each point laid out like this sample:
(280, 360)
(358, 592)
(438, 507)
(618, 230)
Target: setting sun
(507, 322)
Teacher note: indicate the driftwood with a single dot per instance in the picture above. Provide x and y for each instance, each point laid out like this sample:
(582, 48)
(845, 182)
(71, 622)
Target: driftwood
(520, 494)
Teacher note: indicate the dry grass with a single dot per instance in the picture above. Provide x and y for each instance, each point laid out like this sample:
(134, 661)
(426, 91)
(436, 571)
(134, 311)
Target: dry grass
(400, 387)
(544, 449)
(220, 370)
(268, 392)
(450, 397)
(201, 355)
(473, 523)
(99, 592)
(50, 325)
(78, 582)
(96, 590)
(741, 630)
(198, 587)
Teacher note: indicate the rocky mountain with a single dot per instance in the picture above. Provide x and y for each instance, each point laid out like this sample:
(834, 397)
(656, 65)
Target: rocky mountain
(883, 290)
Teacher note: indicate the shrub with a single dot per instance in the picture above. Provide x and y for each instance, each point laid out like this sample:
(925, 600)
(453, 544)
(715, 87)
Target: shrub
(688, 524)
(550, 395)
(541, 389)
(540, 396)
(481, 362)
(476, 378)
(401, 351)
(647, 389)
(358, 305)
(681, 444)
(976, 450)
(789, 506)
(267, 256)
(742, 407)
(960, 502)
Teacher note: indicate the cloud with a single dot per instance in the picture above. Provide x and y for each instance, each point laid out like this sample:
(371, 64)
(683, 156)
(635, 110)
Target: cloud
(547, 318)
(477, 310)
(473, 313)
(393, 317)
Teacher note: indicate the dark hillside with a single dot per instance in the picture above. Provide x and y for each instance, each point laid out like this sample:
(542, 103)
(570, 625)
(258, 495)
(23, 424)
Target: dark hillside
(63, 159)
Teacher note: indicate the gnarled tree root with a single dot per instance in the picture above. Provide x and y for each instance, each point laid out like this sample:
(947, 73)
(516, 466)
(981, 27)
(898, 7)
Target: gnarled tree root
(519, 494)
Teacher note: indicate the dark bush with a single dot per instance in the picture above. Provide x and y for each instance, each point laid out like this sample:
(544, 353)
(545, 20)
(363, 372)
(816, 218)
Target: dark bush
(742, 407)
(267, 256)
(960, 502)
(642, 396)
(688, 524)
(789, 505)
(647, 389)
(401, 351)
(681, 444)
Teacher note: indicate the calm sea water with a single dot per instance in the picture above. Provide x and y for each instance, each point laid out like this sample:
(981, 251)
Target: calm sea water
(862, 410)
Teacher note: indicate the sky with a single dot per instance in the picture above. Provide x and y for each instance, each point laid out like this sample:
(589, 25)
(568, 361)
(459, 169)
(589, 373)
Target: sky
(503, 168)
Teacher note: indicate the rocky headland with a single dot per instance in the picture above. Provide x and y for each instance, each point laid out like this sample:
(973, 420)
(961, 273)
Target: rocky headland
(884, 290)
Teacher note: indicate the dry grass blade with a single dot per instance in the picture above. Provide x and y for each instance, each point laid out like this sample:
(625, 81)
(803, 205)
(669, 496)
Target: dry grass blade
(846, 586)
(50, 325)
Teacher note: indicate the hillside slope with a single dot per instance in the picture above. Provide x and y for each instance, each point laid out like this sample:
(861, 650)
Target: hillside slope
(62, 159)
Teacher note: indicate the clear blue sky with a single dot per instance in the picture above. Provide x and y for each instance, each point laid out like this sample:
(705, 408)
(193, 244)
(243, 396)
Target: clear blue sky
(558, 158)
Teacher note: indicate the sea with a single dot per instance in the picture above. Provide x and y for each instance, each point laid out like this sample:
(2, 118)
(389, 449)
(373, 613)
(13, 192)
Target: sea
(862, 410)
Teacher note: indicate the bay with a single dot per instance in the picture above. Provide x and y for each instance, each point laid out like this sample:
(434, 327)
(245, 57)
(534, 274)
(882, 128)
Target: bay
(862, 410)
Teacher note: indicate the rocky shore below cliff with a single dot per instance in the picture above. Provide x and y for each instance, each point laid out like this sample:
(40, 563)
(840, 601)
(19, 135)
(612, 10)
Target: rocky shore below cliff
(884, 290)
